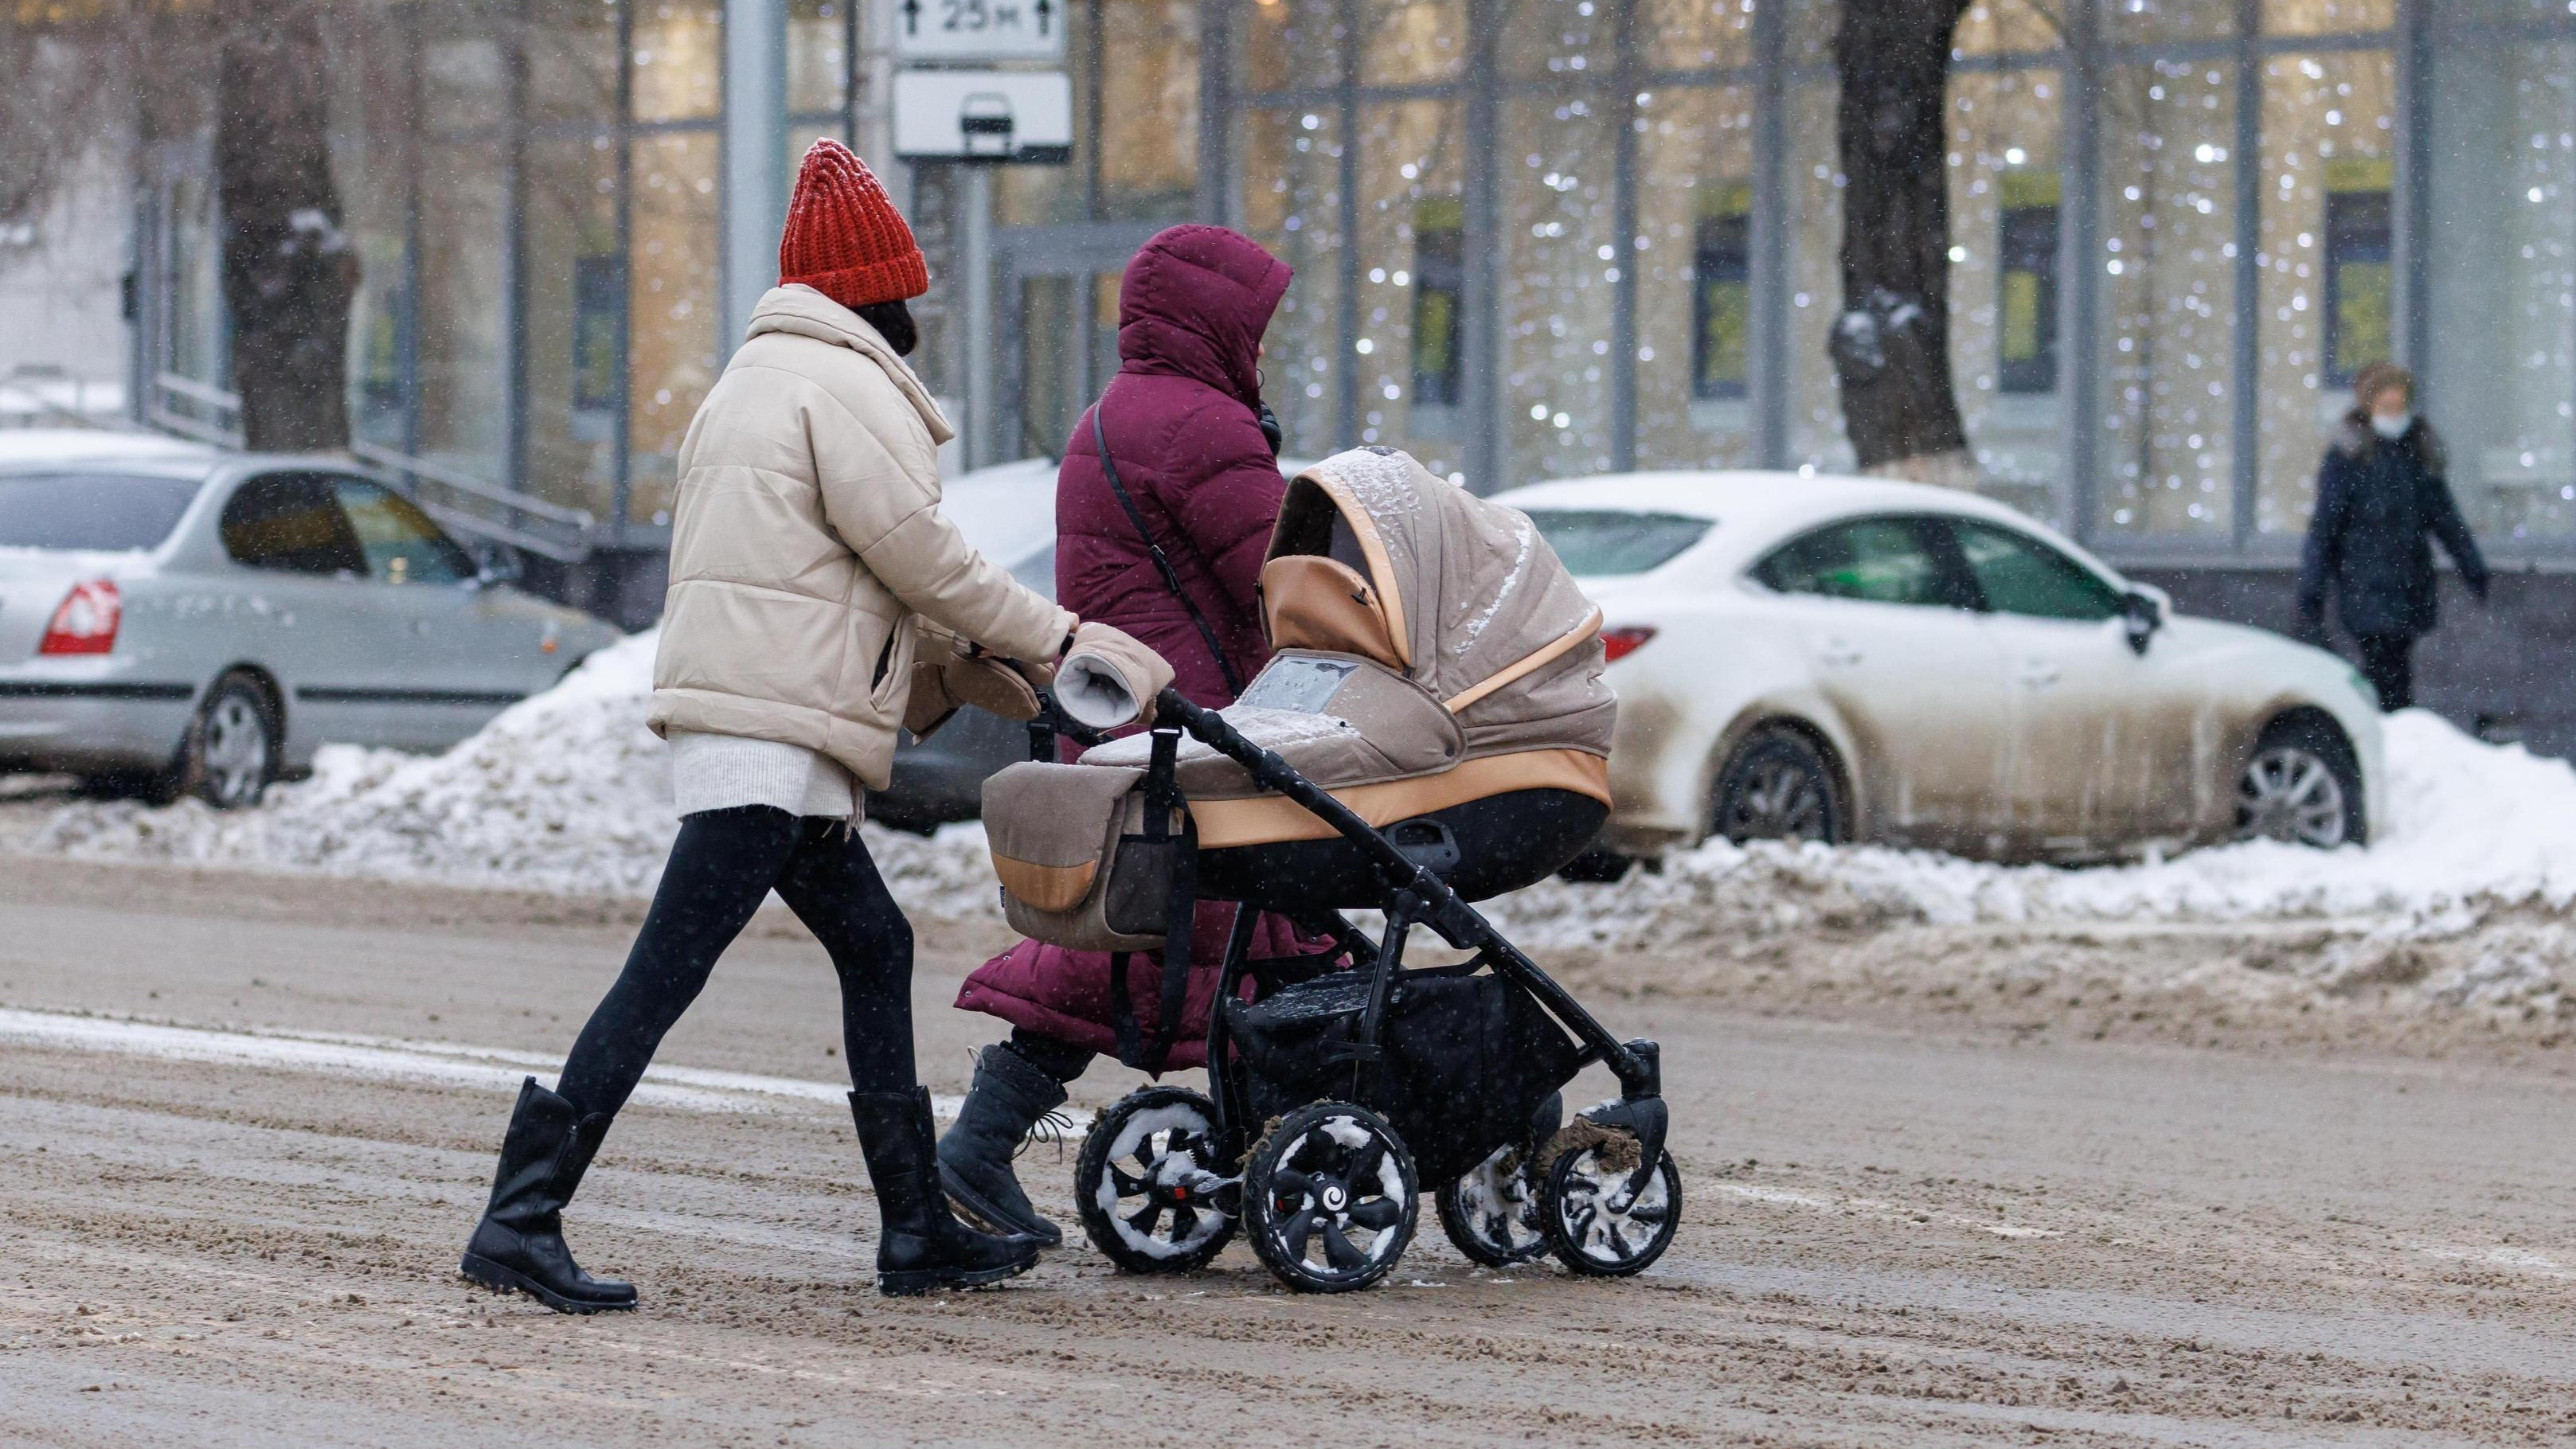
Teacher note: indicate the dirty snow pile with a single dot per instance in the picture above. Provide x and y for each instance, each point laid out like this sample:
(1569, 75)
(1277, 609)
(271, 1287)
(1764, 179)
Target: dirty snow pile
(568, 792)
(2467, 828)
(565, 792)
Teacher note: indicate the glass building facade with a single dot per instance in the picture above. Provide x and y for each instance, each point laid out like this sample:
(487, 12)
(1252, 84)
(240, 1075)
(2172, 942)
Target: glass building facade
(533, 189)
(1533, 238)
(2179, 226)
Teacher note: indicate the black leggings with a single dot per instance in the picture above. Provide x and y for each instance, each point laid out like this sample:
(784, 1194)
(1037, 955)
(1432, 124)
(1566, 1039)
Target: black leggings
(2388, 662)
(723, 866)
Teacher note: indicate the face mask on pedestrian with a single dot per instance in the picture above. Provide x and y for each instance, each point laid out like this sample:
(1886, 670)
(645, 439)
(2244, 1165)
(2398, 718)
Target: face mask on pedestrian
(1261, 413)
(2392, 412)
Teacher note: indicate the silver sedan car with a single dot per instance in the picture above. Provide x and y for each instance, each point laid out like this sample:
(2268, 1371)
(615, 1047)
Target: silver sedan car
(177, 620)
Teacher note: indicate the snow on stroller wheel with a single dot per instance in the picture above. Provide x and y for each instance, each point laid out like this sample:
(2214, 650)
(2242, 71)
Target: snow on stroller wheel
(1328, 1198)
(1592, 1223)
(1147, 1185)
(1492, 1213)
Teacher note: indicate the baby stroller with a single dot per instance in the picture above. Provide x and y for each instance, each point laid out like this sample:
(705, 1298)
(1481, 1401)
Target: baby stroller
(1432, 730)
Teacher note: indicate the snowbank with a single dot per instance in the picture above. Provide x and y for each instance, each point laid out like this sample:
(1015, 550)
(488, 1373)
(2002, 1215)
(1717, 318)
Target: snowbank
(566, 792)
(2467, 827)
(569, 792)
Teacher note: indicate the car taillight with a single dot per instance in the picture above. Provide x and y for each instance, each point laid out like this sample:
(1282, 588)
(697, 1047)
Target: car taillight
(1618, 644)
(86, 622)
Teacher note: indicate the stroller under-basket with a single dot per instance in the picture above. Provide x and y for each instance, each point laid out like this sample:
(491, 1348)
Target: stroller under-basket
(1431, 731)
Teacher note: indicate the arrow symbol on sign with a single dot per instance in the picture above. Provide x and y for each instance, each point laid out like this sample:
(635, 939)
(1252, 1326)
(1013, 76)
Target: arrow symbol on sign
(912, 17)
(1045, 8)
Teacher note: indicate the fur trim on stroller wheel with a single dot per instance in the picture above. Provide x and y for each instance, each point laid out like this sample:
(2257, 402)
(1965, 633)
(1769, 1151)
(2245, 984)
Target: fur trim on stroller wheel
(1148, 1186)
(1328, 1198)
(1593, 1223)
(1492, 1213)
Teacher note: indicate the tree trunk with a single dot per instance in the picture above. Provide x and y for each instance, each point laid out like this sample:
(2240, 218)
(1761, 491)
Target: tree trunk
(288, 271)
(1891, 346)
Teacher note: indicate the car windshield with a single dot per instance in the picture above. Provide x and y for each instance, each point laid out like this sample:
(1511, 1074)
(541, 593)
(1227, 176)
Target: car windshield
(106, 511)
(1605, 543)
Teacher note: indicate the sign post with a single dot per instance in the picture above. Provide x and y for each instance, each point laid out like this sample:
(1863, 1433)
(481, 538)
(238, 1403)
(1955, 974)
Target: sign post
(972, 90)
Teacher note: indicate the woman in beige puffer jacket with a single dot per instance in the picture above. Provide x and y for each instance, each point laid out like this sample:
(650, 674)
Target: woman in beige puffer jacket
(809, 566)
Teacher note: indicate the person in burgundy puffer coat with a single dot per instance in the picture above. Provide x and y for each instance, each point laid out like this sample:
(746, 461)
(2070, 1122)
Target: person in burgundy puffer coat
(1198, 454)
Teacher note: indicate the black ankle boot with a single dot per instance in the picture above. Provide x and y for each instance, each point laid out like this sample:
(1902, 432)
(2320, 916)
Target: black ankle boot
(921, 1245)
(1011, 1095)
(519, 1244)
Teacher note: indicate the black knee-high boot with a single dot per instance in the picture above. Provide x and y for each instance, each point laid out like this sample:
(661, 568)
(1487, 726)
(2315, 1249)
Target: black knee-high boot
(1011, 1095)
(920, 1244)
(519, 1244)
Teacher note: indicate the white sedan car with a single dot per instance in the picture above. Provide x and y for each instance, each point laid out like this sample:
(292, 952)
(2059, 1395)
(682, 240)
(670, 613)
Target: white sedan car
(1843, 659)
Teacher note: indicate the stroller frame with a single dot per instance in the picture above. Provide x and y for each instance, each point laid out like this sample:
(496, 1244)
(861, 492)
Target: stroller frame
(1416, 897)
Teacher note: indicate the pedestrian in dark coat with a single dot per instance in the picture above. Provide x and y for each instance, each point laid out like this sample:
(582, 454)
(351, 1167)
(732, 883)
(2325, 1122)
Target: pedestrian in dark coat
(1197, 453)
(2382, 496)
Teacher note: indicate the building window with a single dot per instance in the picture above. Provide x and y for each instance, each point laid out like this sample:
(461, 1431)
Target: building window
(1439, 282)
(1722, 295)
(598, 307)
(2026, 327)
(2359, 276)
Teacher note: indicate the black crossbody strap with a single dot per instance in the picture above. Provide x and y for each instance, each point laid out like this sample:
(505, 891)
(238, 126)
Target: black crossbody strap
(1162, 561)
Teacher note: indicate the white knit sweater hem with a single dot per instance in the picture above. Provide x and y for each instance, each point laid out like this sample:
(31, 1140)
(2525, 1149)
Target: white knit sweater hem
(726, 772)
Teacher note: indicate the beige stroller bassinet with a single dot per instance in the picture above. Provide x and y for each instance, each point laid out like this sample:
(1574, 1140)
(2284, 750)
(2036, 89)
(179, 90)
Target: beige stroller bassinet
(1432, 730)
(1437, 671)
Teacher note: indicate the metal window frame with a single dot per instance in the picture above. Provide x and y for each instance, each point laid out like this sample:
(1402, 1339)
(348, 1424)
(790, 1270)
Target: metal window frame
(2087, 54)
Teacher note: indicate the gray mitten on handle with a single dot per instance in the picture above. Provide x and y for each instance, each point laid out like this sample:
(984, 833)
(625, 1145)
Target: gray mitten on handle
(1108, 680)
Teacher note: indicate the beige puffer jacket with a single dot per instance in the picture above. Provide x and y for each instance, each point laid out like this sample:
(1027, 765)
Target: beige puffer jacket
(807, 546)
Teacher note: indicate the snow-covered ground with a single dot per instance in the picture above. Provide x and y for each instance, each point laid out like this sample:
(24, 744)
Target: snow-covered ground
(2467, 826)
(569, 792)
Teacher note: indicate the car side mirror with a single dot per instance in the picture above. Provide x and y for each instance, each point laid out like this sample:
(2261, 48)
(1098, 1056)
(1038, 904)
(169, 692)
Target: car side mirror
(2143, 614)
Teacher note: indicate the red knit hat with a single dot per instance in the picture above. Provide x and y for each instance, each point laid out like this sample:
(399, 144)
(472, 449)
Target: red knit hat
(844, 238)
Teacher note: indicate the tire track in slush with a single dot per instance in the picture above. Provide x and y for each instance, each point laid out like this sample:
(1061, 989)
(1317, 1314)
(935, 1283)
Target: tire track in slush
(376, 1058)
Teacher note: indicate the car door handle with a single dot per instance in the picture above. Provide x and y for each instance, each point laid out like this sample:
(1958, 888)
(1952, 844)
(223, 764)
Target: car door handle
(1839, 653)
(2039, 674)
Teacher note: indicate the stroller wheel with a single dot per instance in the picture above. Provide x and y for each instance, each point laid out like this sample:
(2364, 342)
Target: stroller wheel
(1147, 1184)
(1592, 1223)
(1492, 1213)
(1329, 1198)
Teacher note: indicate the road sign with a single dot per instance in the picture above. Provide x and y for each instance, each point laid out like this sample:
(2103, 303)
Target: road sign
(983, 115)
(979, 30)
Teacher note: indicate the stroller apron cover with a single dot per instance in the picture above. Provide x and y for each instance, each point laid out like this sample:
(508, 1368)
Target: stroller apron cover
(1432, 654)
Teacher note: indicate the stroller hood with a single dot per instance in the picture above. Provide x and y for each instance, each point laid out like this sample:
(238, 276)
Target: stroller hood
(1474, 605)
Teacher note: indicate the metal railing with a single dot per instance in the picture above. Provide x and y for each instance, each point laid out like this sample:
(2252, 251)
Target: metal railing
(460, 502)
(193, 409)
(25, 389)
(468, 505)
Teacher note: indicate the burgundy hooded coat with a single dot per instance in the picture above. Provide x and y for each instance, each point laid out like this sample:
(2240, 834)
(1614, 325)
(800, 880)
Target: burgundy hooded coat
(1182, 429)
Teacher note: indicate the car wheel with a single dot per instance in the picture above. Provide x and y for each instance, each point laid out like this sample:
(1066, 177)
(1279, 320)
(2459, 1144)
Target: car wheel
(2302, 787)
(1777, 786)
(230, 754)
